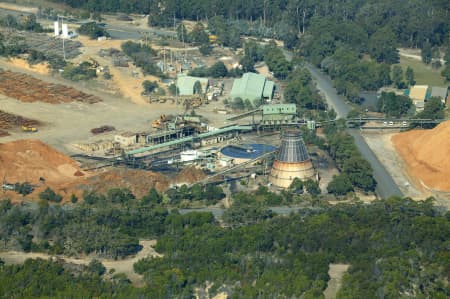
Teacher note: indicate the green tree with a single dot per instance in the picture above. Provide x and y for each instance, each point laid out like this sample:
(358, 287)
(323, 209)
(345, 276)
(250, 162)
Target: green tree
(340, 185)
(173, 89)
(248, 105)
(426, 53)
(182, 34)
(96, 267)
(149, 86)
(446, 72)
(92, 30)
(312, 187)
(218, 70)
(393, 105)
(198, 35)
(434, 109)
(205, 50)
(397, 76)
(198, 88)
(383, 46)
(409, 74)
(237, 104)
(247, 64)
(296, 186)
(359, 172)
(50, 195)
(73, 198)
(120, 195)
(23, 188)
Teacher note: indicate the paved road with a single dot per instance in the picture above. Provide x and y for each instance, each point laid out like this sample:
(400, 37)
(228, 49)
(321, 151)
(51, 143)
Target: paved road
(325, 85)
(386, 186)
(130, 32)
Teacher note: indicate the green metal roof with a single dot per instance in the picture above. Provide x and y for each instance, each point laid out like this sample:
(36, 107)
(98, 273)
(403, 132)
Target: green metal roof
(279, 109)
(225, 130)
(160, 145)
(268, 89)
(251, 86)
(185, 84)
(188, 139)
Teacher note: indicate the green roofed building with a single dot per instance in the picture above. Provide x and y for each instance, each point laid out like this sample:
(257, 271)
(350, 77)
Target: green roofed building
(253, 87)
(277, 114)
(186, 84)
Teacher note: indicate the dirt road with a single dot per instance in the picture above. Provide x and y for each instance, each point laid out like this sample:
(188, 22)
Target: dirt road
(414, 54)
(336, 273)
(124, 266)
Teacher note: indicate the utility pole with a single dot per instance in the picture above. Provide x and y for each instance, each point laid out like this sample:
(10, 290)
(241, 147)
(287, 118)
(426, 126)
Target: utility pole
(63, 38)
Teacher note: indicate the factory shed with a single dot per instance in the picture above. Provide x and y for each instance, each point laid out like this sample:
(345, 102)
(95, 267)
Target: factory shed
(186, 84)
(278, 113)
(253, 87)
(439, 92)
(418, 95)
(126, 138)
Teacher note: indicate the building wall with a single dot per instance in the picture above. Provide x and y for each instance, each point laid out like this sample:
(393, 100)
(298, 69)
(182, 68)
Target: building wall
(283, 173)
(125, 140)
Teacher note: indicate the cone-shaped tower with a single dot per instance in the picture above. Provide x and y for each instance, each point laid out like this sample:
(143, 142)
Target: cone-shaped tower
(291, 161)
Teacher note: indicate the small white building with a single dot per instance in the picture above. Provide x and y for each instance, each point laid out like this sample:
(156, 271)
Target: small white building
(191, 155)
(126, 138)
(226, 161)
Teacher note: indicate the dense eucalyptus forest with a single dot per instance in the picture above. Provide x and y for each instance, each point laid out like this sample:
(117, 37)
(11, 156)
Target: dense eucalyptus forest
(355, 42)
(397, 248)
(411, 23)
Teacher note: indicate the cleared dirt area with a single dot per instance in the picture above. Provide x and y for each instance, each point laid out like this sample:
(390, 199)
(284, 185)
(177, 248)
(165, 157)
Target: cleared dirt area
(190, 175)
(39, 68)
(124, 266)
(336, 273)
(21, 8)
(381, 145)
(29, 89)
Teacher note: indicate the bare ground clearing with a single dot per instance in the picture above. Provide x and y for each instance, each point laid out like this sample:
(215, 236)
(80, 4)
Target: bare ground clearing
(67, 123)
(124, 266)
(336, 273)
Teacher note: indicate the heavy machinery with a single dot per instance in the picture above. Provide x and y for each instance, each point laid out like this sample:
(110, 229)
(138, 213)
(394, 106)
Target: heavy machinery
(29, 129)
(159, 123)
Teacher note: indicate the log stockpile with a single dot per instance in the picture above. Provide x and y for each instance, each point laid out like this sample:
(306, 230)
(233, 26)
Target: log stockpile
(8, 121)
(29, 89)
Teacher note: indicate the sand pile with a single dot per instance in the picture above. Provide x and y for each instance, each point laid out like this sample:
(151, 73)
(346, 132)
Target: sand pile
(427, 155)
(29, 160)
(138, 181)
(190, 175)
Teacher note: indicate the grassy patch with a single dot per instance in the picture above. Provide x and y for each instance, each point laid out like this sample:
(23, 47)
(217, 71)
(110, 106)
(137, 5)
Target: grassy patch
(423, 74)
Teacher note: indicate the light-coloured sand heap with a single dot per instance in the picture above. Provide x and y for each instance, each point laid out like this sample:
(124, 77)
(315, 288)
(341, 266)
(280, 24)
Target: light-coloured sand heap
(427, 155)
(30, 160)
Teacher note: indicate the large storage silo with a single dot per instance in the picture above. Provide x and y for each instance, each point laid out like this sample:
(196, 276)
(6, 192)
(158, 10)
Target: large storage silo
(292, 160)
